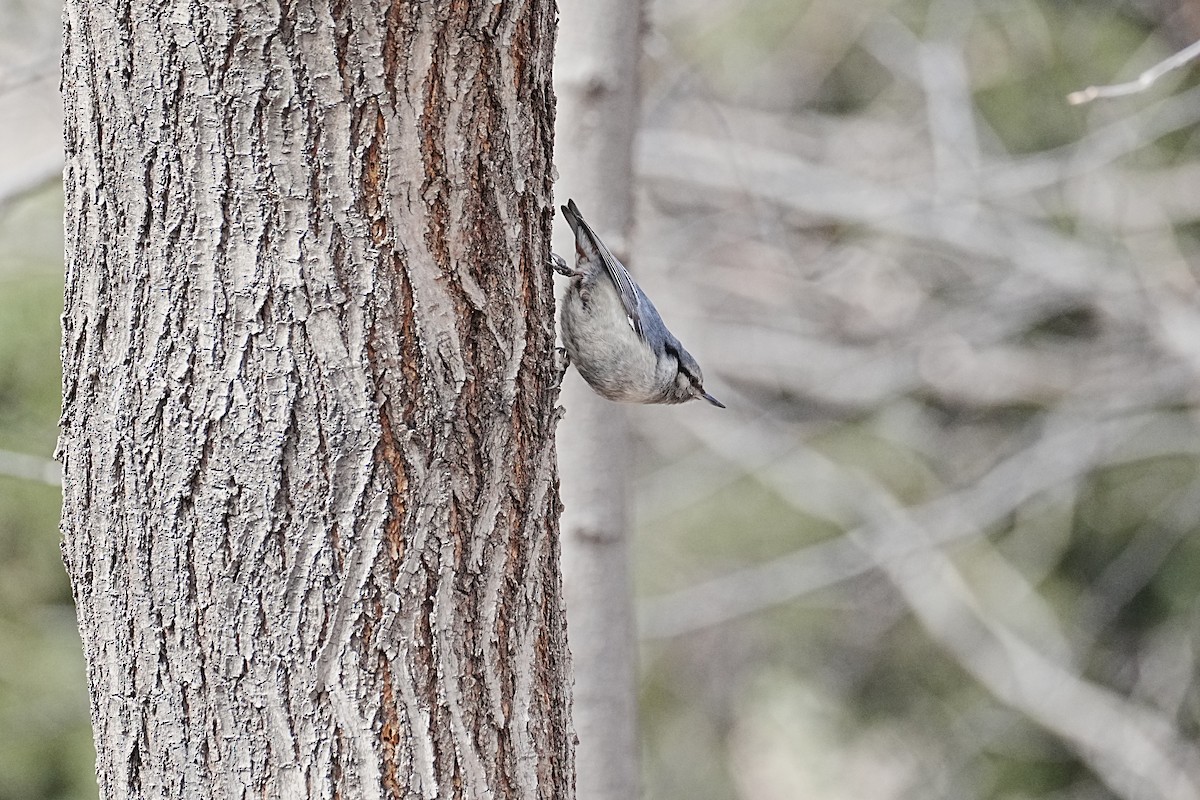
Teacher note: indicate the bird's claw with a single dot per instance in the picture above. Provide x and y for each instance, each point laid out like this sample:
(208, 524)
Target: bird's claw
(561, 362)
(560, 265)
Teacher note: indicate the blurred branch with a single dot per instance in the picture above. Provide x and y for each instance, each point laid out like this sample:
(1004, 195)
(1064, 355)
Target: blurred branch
(20, 77)
(1000, 335)
(943, 364)
(968, 353)
(957, 158)
(1063, 454)
(595, 79)
(1096, 150)
(1135, 567)
(34, 176)
(1143, 81)
(1044, 256)
(1129, 746)
(33, 468)
(1133, 749)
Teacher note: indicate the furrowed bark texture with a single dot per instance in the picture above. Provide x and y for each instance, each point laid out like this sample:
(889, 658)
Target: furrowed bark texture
(310, 493)
(596, 84)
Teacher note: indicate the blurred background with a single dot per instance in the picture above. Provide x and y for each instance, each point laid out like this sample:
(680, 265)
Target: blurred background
(942, 543)
(45, 735)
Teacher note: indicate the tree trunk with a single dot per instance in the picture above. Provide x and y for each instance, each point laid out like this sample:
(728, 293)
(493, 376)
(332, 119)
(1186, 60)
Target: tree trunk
(596, 82)
(310, 493)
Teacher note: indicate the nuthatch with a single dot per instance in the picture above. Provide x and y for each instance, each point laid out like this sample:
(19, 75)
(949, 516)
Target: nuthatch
(613, 333)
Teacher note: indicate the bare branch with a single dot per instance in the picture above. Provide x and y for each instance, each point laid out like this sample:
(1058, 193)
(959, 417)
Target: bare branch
(1141, 83)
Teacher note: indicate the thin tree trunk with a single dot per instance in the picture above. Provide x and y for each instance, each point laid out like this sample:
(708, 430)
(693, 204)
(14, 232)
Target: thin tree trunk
(309, 477)
(596, 83)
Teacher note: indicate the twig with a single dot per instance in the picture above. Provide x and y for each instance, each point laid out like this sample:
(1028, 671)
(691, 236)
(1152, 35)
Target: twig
(1143, 81)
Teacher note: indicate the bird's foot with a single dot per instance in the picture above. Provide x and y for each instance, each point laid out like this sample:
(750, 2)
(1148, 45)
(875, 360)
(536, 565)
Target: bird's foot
(560, 265)
(561, 362)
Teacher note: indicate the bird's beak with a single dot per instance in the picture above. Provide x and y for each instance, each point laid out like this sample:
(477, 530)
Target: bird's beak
(713, 400)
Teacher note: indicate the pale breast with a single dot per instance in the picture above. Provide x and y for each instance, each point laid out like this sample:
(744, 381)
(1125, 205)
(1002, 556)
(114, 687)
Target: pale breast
(604, 348)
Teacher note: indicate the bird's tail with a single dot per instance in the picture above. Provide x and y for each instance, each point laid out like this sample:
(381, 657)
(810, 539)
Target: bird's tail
(574, 218)
(587, 243)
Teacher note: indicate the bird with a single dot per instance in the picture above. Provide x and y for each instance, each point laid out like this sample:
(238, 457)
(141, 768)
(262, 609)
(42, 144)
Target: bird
(614, 335)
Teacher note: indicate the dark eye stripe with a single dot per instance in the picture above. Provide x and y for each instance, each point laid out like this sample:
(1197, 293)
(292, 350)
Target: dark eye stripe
(679, 366)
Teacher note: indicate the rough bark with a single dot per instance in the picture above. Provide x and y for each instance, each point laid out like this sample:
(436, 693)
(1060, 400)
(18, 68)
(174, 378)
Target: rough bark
(309, 478)
(596, 84)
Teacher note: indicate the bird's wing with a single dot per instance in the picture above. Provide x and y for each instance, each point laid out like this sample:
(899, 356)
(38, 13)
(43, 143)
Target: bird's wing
(589, 246)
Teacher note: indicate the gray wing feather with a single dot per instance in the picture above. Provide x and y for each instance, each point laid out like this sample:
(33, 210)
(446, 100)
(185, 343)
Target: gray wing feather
(586, 240)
